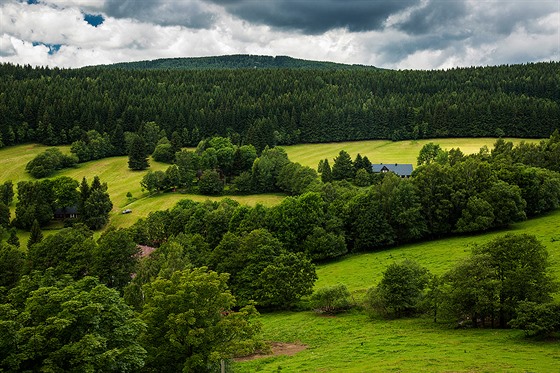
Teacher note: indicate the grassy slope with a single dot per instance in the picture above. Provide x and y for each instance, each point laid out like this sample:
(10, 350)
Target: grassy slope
(383, 151)
(354, 343)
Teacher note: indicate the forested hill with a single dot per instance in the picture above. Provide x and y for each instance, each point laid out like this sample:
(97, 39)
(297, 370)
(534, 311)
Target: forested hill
(239, 61)
(278, 106)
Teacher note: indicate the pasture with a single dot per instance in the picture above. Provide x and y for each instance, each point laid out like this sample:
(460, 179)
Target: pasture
(352, 342)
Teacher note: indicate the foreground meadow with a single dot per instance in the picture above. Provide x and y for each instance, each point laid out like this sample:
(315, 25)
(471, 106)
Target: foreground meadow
(352, 342)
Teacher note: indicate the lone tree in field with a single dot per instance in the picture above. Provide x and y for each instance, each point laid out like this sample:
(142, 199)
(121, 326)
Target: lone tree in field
(137, 156)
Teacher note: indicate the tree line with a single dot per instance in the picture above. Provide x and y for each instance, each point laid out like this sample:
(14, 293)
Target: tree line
(276, 106)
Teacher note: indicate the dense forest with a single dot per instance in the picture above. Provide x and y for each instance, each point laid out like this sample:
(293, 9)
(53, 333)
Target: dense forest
(278, 106)
(240, 61)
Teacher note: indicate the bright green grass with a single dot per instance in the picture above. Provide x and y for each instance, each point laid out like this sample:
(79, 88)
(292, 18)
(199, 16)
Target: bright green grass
(360, 271)
(384, 151)
(120, 180)
(354, 343)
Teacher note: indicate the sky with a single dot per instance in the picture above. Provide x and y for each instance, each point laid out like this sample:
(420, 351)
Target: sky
(395, 34)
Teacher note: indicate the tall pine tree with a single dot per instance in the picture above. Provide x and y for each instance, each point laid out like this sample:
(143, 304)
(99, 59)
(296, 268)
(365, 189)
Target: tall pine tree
(137, 156)
(36, 234)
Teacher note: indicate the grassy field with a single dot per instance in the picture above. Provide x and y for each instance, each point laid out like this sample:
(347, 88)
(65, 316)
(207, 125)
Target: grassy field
(120, 180)
(384, 151)
(353, 342)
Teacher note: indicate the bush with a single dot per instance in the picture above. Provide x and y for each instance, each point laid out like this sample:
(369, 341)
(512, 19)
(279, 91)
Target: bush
(47, 162)
(537, 319)
(400, 290)
(331, 299)
(164, 153)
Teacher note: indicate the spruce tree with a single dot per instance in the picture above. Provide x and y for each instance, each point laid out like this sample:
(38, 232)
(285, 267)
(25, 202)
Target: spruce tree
(137, 159)
(36, 234)
(97, 206)
(13, 240)
(343, 169)
(84, 194)
(326, 174)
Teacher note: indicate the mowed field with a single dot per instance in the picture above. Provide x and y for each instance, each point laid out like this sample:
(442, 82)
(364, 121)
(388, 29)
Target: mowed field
(352, 342)
(385, 151)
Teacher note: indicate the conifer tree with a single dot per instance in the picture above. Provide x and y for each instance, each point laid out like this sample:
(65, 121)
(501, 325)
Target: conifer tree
(36, 234)
(97, 205)
(343, 169)
(137, 159)
(326, 173)
(13, 240)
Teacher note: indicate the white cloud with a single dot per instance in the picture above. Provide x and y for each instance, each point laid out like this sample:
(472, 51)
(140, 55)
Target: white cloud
(483, 36)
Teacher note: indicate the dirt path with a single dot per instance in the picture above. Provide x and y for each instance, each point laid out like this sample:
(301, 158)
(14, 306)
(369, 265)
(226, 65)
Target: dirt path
(277, 348)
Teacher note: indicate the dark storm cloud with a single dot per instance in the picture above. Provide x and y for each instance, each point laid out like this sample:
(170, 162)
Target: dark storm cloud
(433, 16)
(188, 13)
(316, 16)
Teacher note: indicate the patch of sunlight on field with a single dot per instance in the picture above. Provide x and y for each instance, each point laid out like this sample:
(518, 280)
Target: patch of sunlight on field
(384, 151)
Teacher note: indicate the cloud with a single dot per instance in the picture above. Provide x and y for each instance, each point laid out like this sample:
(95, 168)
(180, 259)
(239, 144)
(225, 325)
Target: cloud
(393, 34)
(433, 15)
(316, 17)
(188, 13)
(7, 48)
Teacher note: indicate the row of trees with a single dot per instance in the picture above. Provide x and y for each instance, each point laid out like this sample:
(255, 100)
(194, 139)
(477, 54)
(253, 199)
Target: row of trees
(39, 200)
(281, 106)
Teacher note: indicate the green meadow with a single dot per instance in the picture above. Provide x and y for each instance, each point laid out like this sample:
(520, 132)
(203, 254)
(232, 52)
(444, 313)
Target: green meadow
(352, 342)
(120, 180)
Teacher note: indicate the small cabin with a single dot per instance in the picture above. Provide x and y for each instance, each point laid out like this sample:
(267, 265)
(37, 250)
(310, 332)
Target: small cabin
(403, 170)
(66, 213)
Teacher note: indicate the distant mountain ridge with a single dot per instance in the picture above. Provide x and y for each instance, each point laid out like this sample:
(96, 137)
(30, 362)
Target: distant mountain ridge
(237, 61)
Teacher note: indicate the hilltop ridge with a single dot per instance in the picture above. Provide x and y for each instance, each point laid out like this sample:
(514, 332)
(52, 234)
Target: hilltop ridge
(237, 61)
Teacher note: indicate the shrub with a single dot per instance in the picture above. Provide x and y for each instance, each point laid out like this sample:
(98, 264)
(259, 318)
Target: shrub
(47, 162)
(331, 299)
(537, 319)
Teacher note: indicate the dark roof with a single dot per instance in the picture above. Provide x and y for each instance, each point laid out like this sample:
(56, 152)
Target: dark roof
(404, 169)
(66, 210)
